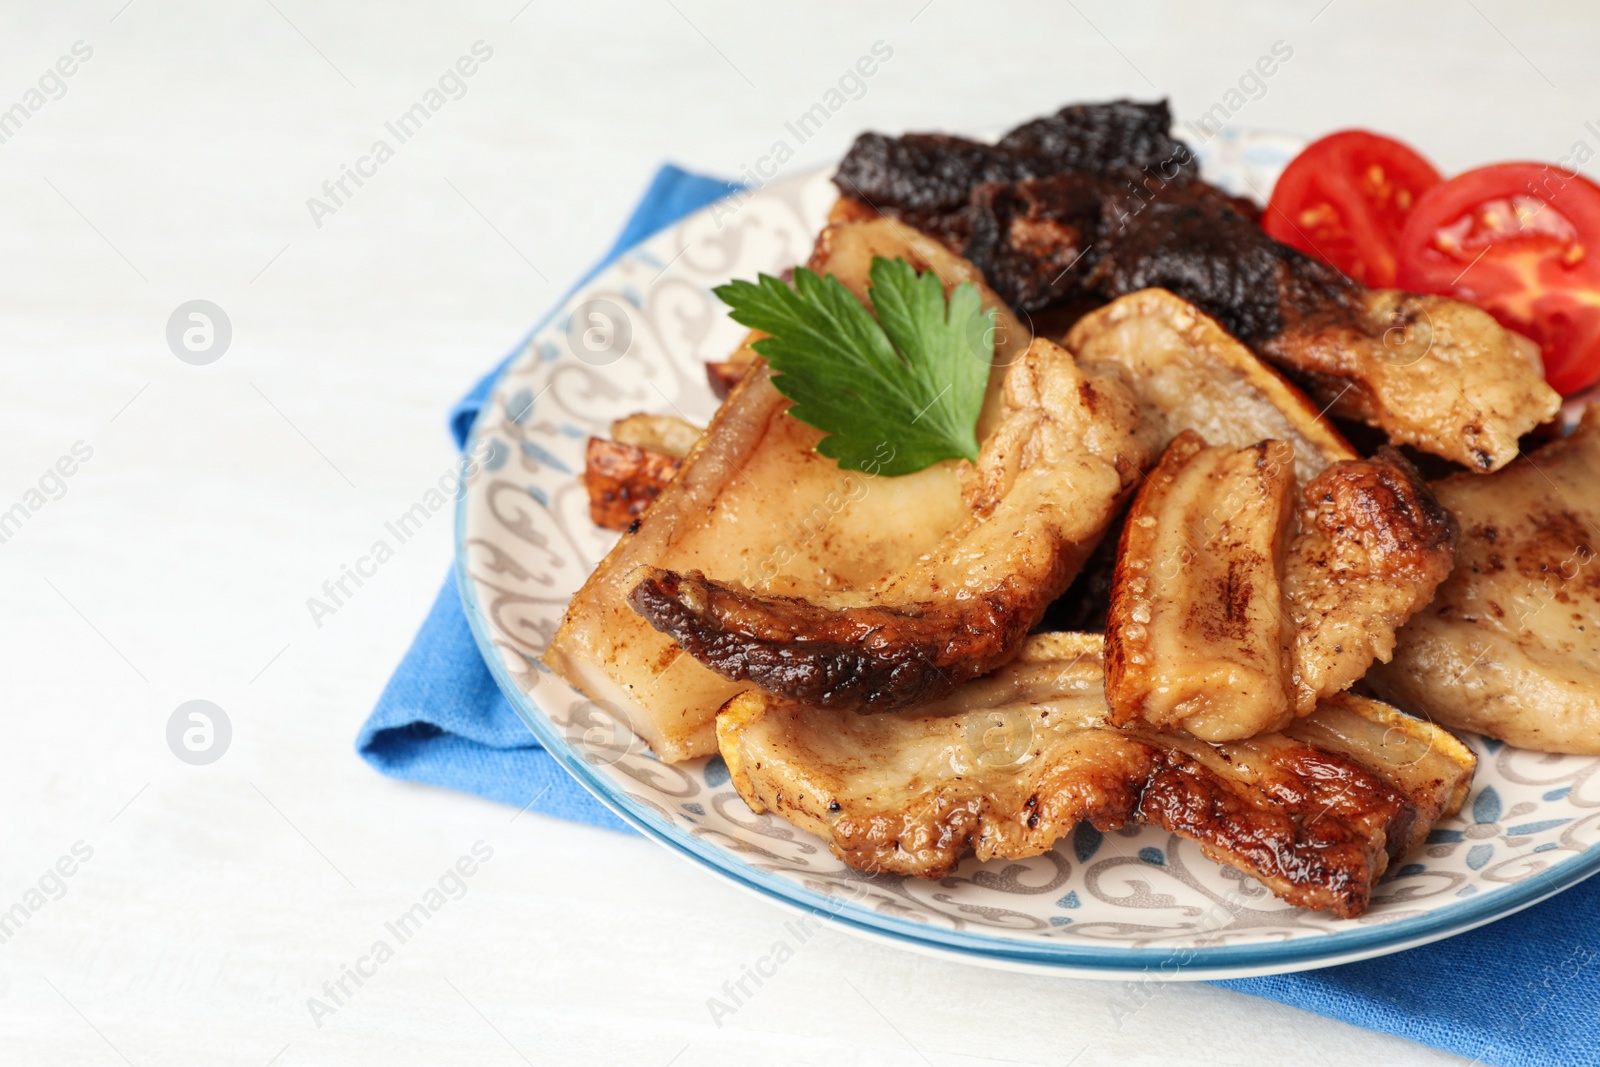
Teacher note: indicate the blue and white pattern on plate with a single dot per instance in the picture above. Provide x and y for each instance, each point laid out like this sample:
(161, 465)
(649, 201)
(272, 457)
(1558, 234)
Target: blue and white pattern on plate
(1137, 900)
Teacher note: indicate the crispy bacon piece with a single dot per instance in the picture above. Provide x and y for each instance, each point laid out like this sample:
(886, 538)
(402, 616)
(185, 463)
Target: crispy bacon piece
(1197, 636)
(1007, 764)
(1066, 450)
(1511, 646)
(622, 481)
(1372, 547)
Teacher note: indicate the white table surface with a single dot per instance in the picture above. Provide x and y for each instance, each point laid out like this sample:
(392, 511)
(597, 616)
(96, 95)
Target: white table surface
(218, 498)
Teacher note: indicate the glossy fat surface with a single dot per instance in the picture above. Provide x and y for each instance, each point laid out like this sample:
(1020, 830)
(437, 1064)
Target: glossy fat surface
(1511, 646)
(1066, 449)
(1009, 763)
(1197, 636)
(1193, 376)
(754, 503)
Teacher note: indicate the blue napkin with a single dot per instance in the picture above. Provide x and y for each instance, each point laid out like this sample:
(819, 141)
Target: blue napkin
(1521, 991)
(442, 719)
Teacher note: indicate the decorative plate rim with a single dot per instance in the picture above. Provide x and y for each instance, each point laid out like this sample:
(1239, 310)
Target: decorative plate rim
(1108, 961)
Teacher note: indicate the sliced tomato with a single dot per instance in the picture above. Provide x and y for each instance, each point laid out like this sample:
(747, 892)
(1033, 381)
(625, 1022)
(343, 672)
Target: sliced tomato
(1345, 199)
(1521, 241)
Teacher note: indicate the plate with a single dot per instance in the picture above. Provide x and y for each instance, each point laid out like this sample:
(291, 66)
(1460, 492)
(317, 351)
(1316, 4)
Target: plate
(1136, 901)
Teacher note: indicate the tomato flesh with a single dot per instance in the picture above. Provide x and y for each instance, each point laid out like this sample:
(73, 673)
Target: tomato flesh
(1519, 241)
(1345, 199)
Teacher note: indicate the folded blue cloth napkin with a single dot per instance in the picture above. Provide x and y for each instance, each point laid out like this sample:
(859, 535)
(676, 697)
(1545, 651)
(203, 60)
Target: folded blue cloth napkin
(1522, 991)
(442, 719)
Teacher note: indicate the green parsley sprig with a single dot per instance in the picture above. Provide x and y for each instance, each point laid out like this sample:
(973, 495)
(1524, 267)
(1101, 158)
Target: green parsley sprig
(912, 378)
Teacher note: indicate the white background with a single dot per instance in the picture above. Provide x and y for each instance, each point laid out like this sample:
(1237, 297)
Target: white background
(177, 565)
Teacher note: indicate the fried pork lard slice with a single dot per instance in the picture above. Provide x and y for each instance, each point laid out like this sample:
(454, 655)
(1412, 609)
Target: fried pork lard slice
(1231, 613)
(1006, 765)
(756, 503)
(1373, 544)
(625, 474)
(1511, 647)
(1193, 375)
(1429, 371)
(1197, 635)
(1066, 450)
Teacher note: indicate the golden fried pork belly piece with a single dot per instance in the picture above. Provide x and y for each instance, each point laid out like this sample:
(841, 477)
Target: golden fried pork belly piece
(1195, 376)
(1006, 765)
(1372, 547)
(1197, 636)
(1511, 647)
(625, 474)
(1050, 477)
(665, 434)
(1230, 613)
(1429, 371)
(755, 503)
(622, 481)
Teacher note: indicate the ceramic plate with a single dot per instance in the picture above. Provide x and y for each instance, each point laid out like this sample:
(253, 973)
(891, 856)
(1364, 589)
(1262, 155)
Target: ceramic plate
(1138, 900)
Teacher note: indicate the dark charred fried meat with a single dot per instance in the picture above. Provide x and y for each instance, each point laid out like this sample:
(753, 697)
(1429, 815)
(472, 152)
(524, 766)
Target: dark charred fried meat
(1034, 240)
(926, 173)
(926, 179)
(1119, 237)
(1193, 242)
(1430, 372)
(1121, 138)
(871, 657)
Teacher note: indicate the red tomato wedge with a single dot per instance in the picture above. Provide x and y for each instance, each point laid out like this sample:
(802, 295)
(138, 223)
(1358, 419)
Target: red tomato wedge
(1345, 199)
(1521, 241)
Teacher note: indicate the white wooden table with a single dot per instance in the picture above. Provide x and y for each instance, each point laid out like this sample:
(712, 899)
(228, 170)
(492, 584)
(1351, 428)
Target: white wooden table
(174, 563)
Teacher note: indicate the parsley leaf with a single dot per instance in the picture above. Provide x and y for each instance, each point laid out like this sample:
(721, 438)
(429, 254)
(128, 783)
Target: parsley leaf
(894, 394)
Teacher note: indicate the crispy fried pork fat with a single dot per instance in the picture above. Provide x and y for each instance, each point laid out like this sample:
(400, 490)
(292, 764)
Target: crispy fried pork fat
(1197, 636)
(1373, 544)
(1195, 376)
(1232, 611)
(1066, 449)
(755, 503)
(1511, 647)
(1006, 765)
